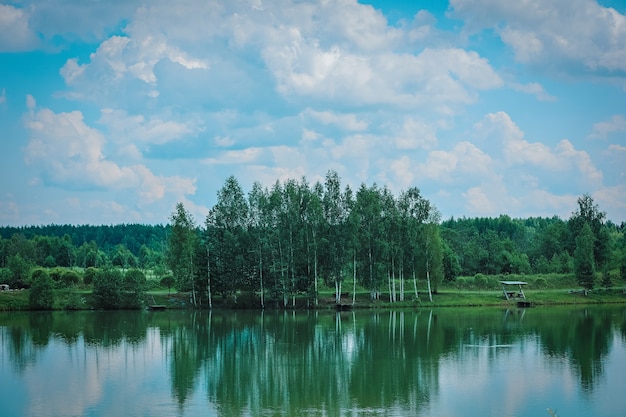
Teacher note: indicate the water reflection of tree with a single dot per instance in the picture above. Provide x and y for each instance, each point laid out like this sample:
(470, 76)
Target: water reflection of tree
(17, 344)
(583, 337)
(289, 362)
(285, 362)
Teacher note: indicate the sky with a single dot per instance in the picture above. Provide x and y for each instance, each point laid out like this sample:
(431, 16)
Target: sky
(113, 111)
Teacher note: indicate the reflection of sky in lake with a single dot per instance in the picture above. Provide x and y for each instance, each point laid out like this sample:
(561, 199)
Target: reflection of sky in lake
(519, 380)
(84, 379)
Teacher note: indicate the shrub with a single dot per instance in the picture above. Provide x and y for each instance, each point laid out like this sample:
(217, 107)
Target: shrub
(480, 281)
(540, 283)
(41, 295)
(107, 289)
(89, 275)
(73, 301)
(70, 278)
(134, 288)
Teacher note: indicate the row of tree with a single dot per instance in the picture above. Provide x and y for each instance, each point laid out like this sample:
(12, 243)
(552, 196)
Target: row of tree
(285, 241)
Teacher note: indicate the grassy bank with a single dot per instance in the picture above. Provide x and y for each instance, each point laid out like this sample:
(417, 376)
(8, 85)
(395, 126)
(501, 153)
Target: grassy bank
(445, 297)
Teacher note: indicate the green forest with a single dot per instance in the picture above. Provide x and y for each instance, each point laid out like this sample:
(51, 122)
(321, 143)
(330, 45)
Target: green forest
(285, 243)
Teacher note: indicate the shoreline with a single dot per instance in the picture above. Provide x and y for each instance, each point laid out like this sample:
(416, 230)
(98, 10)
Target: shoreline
(17, 300)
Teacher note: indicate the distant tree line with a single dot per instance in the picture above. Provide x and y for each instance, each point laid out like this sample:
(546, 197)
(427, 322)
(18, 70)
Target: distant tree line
(285, 241)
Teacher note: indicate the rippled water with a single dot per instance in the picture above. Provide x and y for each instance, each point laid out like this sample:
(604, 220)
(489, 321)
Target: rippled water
(442, 362)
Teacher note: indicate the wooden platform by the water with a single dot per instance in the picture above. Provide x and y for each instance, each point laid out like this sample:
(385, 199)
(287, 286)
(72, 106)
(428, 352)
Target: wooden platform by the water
(157, 307)
(343, 307)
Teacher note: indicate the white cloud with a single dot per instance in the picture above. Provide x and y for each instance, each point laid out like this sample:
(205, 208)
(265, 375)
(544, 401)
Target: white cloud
(69, 153)
(478, 203)
(415, 134)
(345, 121)
(15, 31)
(569, 35)
(124, 128)
(124, 58)
(535, 89)
(463, 163)
(611, 199)
(243, 156)
(499, 128)
(223, 141)
(602, 130)
(433, 77)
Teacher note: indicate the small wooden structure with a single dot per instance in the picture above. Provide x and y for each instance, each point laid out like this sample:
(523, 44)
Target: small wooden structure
(509, 294)
(155, 306)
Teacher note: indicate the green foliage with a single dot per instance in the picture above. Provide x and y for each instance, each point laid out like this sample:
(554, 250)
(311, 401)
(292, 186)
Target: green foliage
(107, 289)
(134, 288)
(589, 214)
(607, 281)
(41, 296)
(584, 264)
(622, 264)
(19, 272)
(168, 282)
(182, 248)
(451, 266)
(70, 278)
(73, 301)
(89, 275)
(480, 281)
(296, 236)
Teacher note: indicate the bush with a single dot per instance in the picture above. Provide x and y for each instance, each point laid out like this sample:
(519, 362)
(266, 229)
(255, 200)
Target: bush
(70, 278)
(41, 295)
(89, 275)
(107, 289)
(480, 281)
(134, 288)
(540, 283)
(73, 301)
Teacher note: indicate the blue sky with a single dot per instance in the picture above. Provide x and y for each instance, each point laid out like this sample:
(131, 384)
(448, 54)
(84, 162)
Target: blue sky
(114, 111)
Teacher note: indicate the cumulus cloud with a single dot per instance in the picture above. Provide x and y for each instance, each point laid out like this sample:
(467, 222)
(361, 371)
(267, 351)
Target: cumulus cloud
(414, 134)
(462, 163)
(344, 121)
(15, 31)
(121, 59)
(433, 77)
(309, 49)
(564, 157)
(602, 130)
(535, 89)
(139, 129)
(69, 153)
(571, 36)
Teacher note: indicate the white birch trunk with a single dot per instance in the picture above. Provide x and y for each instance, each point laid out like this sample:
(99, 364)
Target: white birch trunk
(353, 278)
(208, 278)
(393, 279)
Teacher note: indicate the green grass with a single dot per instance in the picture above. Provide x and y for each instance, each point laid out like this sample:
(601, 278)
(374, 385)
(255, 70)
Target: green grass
(547, 289)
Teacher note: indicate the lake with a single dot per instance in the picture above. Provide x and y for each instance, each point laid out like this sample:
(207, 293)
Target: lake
(440, 362)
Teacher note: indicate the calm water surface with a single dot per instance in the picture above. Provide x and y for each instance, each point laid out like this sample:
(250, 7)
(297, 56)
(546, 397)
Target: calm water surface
(444, 362)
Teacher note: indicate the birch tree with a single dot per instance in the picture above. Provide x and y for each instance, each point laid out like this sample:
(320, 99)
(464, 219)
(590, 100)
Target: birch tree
(182, 244)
